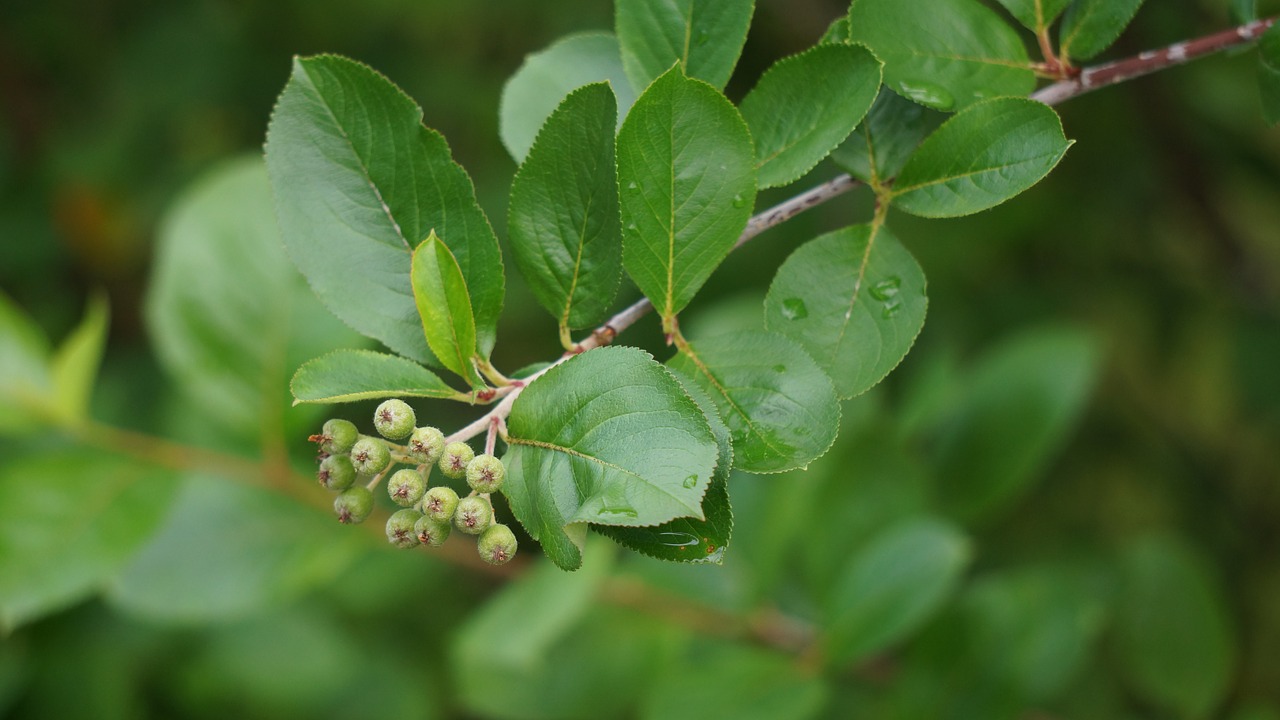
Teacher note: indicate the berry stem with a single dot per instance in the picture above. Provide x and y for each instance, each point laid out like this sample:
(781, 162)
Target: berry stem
(378, 478)
(491, 439)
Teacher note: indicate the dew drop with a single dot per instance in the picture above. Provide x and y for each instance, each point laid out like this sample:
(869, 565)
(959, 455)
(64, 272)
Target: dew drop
(632, 227)
(691, 481)
(779, 368)
(677, 539)
(632, 185)
(794, 309)
(703, 37)
(886, 289)
(738, 201)
(927, 93)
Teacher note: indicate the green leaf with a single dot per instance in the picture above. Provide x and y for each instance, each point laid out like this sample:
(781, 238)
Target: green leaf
(358, 183)
(946, 54)
(563, 217)
(1269, 74)
(228, 550)
(609, 438)
(780, 407)
(855, 299)
(691, 540)
(686, 170)
(704, 36)
(892, 587)
(75, 365)
(730, 681)
(837, 32)
(229, 315)
(351, 375)
(1020, 404)
(1244, 11)
(805, 105)
(981, 157)
(546, 77)
(1172, 629)
(440, 291)
(880, 146)
(26, 386)
(68, 523)
(1090, 26)
(1035, 15)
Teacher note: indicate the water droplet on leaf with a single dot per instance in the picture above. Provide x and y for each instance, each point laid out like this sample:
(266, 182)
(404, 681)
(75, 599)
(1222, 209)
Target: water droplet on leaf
(927, 93)
(886, 289)
(691, 481)
(794, 309)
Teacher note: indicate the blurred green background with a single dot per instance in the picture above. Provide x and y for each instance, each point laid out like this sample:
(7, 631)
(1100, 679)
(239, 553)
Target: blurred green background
(1064, 504)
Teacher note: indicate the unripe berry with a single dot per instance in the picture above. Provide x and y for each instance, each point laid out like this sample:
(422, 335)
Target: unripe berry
(406, 487)
(394, 419)
(338, 436)
(432, 532)
(400, 528)
(353, 505)
(336, 472)
(439, 503)
(485, 473)
(426, 444)
(370, 456)
(454, 460)
(497, 544)
(473, 515)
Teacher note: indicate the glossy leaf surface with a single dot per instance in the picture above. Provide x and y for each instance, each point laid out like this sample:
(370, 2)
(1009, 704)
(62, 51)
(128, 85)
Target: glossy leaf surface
(444, 303)
(351, 375)
(704, 36)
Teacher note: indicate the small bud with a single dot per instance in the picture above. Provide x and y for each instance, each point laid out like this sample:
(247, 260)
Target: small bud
(338, 436)
(485, 473)
(353, 505)
(497, 544)
(370, 456)
(454, 460)
(400, 528)
(432, 532)
(473, 515)
(394, 419)
(406, 487)
(426, 444)
(336, 472)
(439, 503)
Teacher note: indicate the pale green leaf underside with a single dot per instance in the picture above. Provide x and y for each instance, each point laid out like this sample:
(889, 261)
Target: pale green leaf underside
(805, 105)
(563, 217)
(608, 438)
(946, 54)
(1035, 15)
(75, 365)
(857, 308)
(981, 157)
(704, 36)
(444, 305)
(359, 182)
(890, 588)
(686, 174)
(351, 375)
(1090, 26)
(547, 76)
(780, 407)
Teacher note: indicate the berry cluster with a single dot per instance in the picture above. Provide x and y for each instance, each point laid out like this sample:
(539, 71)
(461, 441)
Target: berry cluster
(428, 514)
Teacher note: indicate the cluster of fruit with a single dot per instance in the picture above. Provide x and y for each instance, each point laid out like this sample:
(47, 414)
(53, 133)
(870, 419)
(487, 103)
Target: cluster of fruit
(428, 514)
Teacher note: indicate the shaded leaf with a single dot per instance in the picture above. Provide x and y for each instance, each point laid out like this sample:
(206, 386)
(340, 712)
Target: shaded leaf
(780, 407)
(981, 157)
(444, 303)
(704, 36)
(1090, 26)
(26, 386)
(855, 299)
(891, 131)
(686, 171)
(727, 681)
(358, 183)
(1269, 74)
(1035, 15)
(609, 438)
(547, 76)
(805, 105)
(946, 54)
(563, 218)
(351, 375)
(75, 365)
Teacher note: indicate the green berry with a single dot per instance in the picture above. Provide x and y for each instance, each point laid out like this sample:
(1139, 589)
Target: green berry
(432, 532)
(473, 515)
(338, 436)
(485, 473)
(400, 528)
(406, 487)
(439, 503)
(426, 444)
(497, 544)
(454, 460)
(353, 505)
(336, 472)
(394, 419)
(370, 456)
